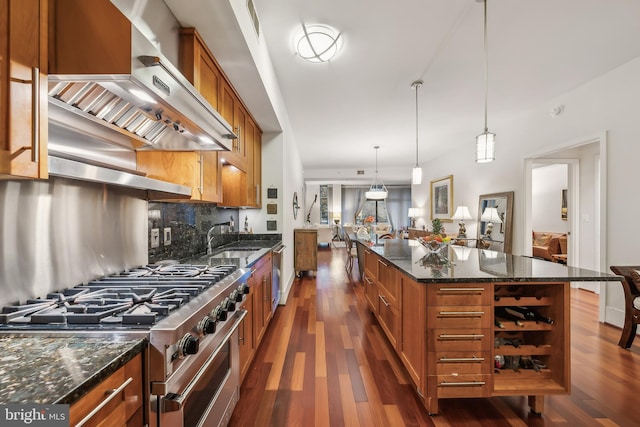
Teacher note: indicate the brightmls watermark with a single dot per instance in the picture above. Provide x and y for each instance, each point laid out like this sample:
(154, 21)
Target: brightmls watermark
(34, 415)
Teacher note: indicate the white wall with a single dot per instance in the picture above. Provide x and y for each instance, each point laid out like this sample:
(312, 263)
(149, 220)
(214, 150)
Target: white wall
(281, 165)
(547, 185)
(609, 103)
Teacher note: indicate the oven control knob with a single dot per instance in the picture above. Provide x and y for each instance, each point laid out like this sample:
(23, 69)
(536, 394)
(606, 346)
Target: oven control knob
(243, 288)
(219, 313)
(188, 345)
(237, 295)
(207, 325)
(229, 304)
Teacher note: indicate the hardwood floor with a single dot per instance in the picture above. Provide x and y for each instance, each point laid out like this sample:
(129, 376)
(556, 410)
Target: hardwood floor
(325, 362)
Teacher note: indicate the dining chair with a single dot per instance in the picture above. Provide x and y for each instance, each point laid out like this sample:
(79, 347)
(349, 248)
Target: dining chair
(352, 253)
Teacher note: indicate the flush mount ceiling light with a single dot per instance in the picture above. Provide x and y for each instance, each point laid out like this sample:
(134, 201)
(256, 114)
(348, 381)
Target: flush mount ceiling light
(416, 175)
(486, 141)
(318, 43)
(377, 191)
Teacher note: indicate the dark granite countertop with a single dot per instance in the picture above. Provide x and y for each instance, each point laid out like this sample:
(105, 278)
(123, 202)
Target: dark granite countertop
(45, 370)
(464, 264)
(262, 247)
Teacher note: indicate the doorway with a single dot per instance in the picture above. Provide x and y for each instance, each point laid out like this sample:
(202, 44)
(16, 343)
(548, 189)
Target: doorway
(585, 162)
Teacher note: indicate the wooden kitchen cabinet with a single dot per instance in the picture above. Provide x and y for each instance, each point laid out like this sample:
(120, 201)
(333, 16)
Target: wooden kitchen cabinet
(382, 290)
(459, 363)
(23, 90)
(305, 250)
(199, 170)
(246, 335)
(413, 331)
(261, 275)
(124, 408)
(389, 296)
(240, 168)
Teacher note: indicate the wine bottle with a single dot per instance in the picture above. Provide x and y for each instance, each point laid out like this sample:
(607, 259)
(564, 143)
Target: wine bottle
(502, 312)
(527, 313)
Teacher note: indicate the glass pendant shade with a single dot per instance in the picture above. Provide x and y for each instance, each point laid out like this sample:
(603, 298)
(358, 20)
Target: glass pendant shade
(485, 147)
(416, 176)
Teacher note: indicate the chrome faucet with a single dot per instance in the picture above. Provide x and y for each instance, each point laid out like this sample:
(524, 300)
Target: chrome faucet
(212, 231)
(209, 238)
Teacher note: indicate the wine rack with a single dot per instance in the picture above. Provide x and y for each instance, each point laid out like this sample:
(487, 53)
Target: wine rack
(531, 357)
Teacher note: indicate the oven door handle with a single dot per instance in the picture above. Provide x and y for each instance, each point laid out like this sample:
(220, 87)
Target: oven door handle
(175, 401)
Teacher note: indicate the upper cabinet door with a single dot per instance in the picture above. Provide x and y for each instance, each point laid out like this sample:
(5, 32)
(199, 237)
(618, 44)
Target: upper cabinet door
(23, 88)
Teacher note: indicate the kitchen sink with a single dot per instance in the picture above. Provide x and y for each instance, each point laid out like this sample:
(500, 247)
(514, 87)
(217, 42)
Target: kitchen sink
(235, 253)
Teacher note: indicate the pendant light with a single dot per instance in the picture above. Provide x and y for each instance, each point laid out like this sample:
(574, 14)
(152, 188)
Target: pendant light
(376, 191)
(486, 141)
(416, 175)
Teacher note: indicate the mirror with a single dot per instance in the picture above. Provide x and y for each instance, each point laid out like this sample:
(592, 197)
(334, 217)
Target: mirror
(495, 218)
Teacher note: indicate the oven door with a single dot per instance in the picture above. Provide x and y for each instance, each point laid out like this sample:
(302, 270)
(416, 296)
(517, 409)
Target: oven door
(209, 398)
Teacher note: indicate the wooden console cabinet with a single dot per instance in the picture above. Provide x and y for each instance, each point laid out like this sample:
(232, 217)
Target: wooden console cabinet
(305, 250)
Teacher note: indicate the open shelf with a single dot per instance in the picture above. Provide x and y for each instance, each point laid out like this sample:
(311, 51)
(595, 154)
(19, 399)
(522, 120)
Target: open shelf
(526, 325)
(507, 301)
(524, 350)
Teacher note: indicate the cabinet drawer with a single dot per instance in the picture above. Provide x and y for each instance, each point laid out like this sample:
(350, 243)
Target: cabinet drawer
(468, 340)
(459, 316)
(459, 362)
(463, 385)
(459, 294)
(116, 409)
(371, 263)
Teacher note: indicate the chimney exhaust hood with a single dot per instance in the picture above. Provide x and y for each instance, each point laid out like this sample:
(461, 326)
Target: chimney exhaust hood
(105, 70)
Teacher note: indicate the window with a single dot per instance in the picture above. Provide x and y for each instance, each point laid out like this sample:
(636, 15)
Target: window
(324, 204)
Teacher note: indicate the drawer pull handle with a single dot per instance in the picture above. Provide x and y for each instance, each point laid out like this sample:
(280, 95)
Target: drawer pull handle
(111, 395)
(369, 281)
(384, 301)
(386, 265)
(461, 289)
(461, 336)
(462, 383)
(462, 313)
(461, 359)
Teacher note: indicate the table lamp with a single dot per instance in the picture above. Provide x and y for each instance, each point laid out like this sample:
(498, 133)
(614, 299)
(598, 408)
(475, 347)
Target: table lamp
(462, 213)
(490, 215)
(413, 214)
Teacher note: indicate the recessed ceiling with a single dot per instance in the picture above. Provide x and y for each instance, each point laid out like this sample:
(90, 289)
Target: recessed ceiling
(538, 50)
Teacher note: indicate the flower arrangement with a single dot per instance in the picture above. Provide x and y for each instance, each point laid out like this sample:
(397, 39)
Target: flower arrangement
(369, 220)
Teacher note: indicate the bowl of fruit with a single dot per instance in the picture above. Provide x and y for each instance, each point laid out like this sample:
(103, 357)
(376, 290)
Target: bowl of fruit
(434, 243)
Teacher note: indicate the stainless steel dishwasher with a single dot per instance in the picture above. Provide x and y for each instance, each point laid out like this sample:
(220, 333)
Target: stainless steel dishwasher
(275, 276)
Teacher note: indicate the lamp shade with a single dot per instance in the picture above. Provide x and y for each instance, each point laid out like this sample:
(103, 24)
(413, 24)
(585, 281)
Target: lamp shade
(462, 213)
(414, 212)
(491, 215)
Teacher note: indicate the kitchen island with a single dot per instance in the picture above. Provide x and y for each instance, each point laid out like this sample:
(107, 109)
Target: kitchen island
(468, 322)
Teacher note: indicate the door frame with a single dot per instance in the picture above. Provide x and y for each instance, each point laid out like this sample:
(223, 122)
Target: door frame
(549, 156)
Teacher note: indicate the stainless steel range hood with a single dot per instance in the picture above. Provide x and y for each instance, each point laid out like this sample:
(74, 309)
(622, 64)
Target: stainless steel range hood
(104, 69)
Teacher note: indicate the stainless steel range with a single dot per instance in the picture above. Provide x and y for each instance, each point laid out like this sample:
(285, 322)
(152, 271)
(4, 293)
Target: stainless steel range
(190, 315)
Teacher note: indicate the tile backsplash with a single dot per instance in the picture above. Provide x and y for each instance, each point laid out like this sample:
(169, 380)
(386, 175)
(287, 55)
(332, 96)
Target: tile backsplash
(186, 226)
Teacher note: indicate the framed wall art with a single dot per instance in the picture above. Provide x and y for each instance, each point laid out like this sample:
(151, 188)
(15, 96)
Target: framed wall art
(441, 196)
